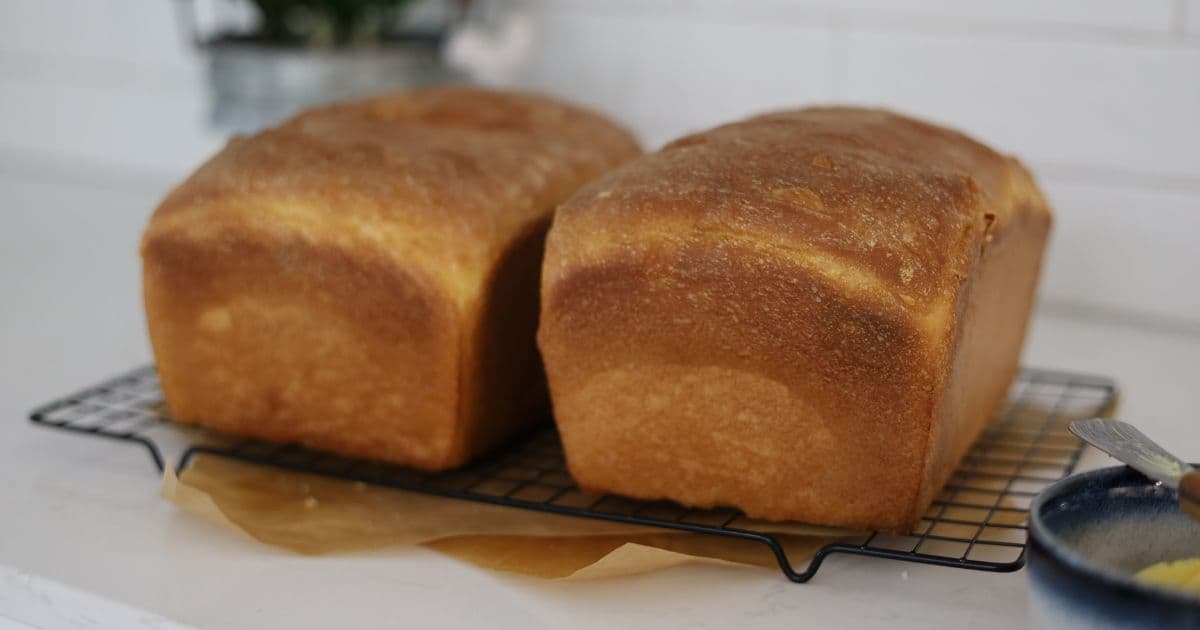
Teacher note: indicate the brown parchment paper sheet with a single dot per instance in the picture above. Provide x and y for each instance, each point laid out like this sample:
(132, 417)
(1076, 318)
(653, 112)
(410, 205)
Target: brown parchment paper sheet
(310, 514)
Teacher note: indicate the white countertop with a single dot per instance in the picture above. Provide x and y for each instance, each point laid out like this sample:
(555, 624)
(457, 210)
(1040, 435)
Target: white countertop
(85, 539)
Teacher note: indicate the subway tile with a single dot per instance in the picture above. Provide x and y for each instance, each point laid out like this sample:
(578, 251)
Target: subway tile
(1147, 15)
(142, 32)
(581, 58)
(1125, 248)
(1191, 16)
(1107, 105)
(668, 77)
(122, 124)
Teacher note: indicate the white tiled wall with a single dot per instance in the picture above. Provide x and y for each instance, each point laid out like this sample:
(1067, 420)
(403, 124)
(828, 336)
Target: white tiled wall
(1100, 97)
(1189, 18)
(101, 81)
(1100, 104)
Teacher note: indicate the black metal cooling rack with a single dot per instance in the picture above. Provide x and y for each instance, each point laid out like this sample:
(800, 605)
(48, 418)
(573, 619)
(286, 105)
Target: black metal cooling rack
(977, 522)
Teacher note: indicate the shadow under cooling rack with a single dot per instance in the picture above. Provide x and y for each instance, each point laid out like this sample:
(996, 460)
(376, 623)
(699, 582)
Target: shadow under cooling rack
(978, 521)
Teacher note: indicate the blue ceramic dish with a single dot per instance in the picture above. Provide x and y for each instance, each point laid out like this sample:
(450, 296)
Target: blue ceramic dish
(1088, 535)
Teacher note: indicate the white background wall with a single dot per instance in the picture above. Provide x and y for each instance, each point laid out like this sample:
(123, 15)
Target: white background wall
(1100, 97)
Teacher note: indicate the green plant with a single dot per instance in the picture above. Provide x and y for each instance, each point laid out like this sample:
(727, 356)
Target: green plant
(328, 23)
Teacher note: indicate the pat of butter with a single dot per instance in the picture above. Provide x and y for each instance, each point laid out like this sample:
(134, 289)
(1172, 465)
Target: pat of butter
(1179, 574)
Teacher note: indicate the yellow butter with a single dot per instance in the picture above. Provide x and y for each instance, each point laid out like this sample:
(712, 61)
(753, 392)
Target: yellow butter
(1178, 574)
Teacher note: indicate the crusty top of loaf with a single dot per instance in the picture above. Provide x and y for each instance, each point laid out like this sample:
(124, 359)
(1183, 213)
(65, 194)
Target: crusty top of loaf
(448, 175)
(886, 206)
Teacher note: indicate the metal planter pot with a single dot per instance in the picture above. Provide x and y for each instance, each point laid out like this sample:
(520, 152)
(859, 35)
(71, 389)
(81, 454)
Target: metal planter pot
(255, 85)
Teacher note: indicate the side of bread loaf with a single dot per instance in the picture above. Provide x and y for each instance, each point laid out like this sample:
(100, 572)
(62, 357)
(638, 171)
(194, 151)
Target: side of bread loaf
(363, 278)
(807, 315)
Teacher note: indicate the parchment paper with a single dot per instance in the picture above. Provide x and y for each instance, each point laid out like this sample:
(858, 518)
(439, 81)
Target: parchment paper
(310, 514)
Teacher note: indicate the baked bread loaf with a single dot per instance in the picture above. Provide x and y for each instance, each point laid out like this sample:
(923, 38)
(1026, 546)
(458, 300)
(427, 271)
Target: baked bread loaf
(808, 315)
(363, 279)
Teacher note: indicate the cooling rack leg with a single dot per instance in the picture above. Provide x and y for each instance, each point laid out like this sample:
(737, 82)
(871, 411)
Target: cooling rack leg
(781, 558)
(154, 454)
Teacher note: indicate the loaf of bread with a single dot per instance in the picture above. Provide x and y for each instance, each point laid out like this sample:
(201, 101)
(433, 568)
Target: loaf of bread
(363, 279)
(808, 315)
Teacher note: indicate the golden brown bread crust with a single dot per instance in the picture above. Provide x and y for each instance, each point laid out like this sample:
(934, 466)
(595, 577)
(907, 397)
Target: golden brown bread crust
(808, 315)
(361, 278)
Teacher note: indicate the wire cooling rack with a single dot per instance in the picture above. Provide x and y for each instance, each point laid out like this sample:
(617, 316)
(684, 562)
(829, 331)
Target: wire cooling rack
(978, 521)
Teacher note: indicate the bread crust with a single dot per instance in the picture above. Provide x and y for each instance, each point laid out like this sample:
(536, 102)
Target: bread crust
(353, 279)
(773, 314)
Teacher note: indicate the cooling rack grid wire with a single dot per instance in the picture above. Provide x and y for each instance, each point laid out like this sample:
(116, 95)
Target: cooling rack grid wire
(978, 521)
